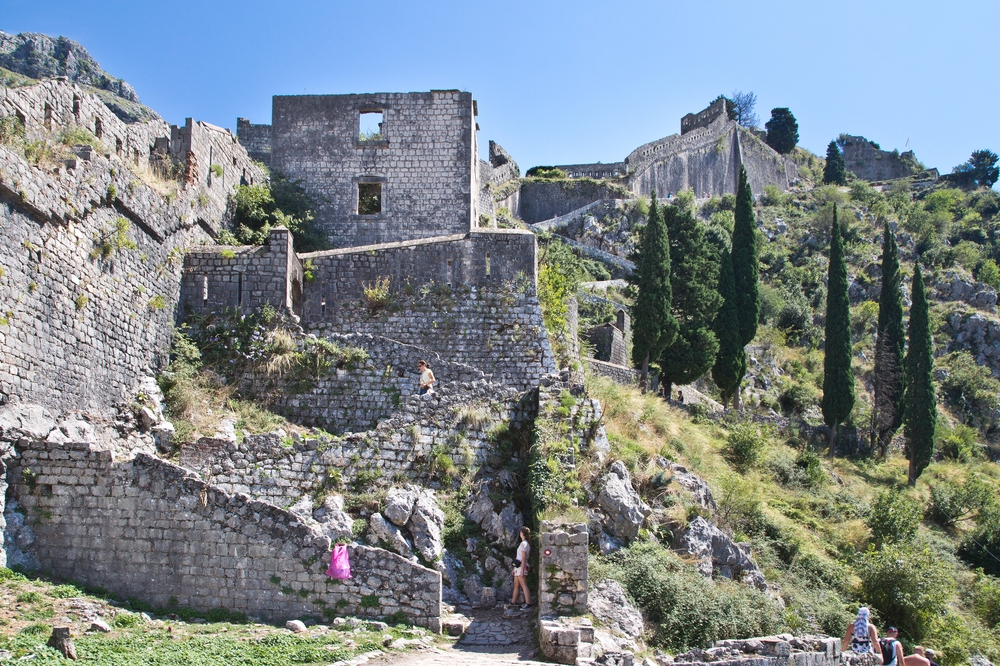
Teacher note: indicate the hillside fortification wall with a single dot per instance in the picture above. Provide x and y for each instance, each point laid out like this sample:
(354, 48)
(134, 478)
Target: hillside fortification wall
(146, 528)
(91, 254)
(423, 165)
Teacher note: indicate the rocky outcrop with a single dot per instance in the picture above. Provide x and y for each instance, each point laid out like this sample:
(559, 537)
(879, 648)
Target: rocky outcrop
(333, 520)
(502, 522)
(39, 56)
(610, 604)
(953, 287)
(718, 555)
(412, 522)
(425, 524)
(700, 491)
(623, 510)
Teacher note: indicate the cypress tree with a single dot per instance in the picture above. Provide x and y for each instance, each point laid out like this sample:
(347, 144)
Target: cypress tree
(653, 325)
(838, 377)
(835, 171)
(694, 275)
(745, 266)
(887, 407)
(920, 416)
(731, 359)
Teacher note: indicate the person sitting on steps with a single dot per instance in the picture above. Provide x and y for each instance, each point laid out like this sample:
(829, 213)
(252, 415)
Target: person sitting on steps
(521, 569)
(861, 636)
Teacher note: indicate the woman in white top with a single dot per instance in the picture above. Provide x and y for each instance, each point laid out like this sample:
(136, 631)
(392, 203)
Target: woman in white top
(521, 570)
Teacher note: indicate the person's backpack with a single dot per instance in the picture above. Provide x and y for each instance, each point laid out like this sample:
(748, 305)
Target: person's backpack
(888, 647)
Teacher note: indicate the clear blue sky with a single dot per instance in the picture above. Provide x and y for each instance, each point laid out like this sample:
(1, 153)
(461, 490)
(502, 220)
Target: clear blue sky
(560, 81)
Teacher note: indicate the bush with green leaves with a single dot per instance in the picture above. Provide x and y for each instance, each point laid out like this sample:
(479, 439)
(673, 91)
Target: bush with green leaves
(981, 544)
(955, 502)
(282, 202)
(893, 518)
(960, 443)
(687, 609)
(745, 444)
(907, 586)
(970, 390)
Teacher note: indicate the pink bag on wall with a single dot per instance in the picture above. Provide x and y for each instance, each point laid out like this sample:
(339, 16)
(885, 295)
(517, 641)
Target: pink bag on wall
(340, 565)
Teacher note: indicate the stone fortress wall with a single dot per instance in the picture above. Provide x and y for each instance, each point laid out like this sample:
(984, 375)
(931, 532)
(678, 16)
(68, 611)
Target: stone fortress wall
(866, 160)
(456, 422)
(425, 161)
(146, 528)
(80, 326)
(256, 138)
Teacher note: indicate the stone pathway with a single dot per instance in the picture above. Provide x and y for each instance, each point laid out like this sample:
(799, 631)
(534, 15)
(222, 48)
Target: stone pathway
(490, 637)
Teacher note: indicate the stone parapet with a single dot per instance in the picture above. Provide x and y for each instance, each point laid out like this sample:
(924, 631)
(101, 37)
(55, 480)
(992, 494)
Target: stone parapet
(562, 566)
(146, 528)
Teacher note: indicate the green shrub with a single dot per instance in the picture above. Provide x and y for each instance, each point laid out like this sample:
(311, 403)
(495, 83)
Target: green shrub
(980, 544)
(545, 172)
(970, 389)
(377, 294)
(745, 445)
(907, 586)
(686, 609)
(893, 518)
(951, 503)
(960, 443)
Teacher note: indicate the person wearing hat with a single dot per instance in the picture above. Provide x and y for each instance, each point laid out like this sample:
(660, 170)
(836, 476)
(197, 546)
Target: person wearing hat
(931, 655)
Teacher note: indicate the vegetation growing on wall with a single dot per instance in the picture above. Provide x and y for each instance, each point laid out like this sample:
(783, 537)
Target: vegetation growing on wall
(282, 202)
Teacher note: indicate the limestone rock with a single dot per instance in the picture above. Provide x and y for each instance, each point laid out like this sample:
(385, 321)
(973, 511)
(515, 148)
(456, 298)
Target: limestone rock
(100, 626)
(381, 530)
(595, 526)
(163, 435)
(399, 504)
(425, 525)
(610, 604)
(295, 626)
(501, 527)
(334, 522)
(694, 484)
(479, 595)
(718, 554)
(62, 640)
(624, 509)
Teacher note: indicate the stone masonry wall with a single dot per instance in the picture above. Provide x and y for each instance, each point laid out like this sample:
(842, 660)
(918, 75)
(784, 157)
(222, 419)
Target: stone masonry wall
(705, 117)
(425, 162)
(256, 138)
(562, 579)
(83, 316)
(869, 162)
(544, 199)
(456, 422)
(357, 398)
(252, 276)
(148, 529)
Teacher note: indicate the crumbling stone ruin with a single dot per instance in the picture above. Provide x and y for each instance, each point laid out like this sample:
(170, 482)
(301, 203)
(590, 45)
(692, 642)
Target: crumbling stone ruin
(866, 160)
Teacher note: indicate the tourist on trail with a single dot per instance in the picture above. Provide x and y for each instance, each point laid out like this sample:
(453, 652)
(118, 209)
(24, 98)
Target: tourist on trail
(931, 656)
(892, 649)
(427, 380)
(861, 636)
(917, 658)
(521, 570)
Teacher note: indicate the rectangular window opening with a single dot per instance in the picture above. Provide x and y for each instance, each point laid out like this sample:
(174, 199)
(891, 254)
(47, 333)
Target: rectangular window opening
(47, 118)
(487, 264)
(369, 198)
(370, 126)
(322, 306)
(239, 289)
(118, 146)
(76, 107)
(98, 129)
(204, 290)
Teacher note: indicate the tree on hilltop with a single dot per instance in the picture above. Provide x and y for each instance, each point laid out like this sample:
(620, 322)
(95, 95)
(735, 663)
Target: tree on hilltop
(740, 107)
(920, 417)
(835, 171)
(731, 359)
(653, 324)
(838, 376)
(980, 170)
(782, 131)
(694, 272)
(887, 403)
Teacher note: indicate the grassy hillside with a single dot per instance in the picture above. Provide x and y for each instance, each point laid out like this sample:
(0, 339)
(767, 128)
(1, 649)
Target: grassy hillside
(29, 607)
(829, 534)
